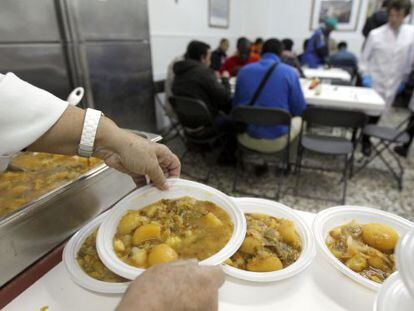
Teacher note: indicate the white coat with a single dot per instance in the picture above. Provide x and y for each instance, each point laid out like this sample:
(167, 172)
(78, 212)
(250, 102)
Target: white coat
(388, 57)
(26, 113)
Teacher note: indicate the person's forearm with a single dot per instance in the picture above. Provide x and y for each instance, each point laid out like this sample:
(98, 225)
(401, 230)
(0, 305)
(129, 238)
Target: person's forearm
(64, 136)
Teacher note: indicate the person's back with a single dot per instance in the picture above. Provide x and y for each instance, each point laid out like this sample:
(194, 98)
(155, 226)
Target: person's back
(377, 19)
(282, 90)
(194, 79)
(344, 59)
(289, 57)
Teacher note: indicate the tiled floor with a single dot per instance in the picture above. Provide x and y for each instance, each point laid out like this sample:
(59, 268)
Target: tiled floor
(373, 187)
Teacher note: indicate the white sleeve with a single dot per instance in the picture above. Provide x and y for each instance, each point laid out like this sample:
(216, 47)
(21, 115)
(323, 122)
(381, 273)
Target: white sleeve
(366, 55)
(26, 113)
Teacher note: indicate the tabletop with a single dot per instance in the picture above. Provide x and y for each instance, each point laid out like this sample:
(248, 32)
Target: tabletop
(327, 73)
(320, 287)
(337, 96)
(347, 97)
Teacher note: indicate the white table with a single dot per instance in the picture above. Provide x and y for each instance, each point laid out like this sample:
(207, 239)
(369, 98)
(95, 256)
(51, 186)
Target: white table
(346, 97)
(327, 73)
(320, 287)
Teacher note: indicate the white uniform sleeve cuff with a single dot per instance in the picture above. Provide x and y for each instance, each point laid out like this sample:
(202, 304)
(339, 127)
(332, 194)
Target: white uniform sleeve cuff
(26, 113)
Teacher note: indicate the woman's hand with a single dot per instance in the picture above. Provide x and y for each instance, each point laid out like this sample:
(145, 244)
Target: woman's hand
(139, 157)
(175, 286)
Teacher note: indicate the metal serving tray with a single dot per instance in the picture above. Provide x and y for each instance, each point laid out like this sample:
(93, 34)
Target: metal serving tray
(37, 227)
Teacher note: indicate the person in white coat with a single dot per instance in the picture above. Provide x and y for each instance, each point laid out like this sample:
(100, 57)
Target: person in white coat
(388, 56)
(33, 119)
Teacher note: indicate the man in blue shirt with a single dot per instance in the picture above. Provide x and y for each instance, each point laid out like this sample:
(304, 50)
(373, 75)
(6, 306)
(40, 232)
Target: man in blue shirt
(317, 49)
(344, 59)
(282, 90)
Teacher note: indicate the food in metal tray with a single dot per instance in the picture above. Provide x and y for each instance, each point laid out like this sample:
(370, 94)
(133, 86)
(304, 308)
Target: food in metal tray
(367, 249)
(90, 263)
(38, 174)
(270, 244)
(168, 230)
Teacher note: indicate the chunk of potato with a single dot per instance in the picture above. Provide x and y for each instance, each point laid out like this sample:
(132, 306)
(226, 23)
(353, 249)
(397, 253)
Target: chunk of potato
(161, 253)
(356, 263)
(145, 233)
(119, 245)
(288, 232)
(128, 223)
(266, 264)
(380, 236)
(139, 257)
(250, 245)
(173, 241)
(212, 220)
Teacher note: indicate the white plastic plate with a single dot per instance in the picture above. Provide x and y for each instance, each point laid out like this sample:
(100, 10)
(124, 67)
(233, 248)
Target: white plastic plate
(393, 295)
(275, 209)
(333, 217)
(405, 260)
(149, 194)
(75, 271)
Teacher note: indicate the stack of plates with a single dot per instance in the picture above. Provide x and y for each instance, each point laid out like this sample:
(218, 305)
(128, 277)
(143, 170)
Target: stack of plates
(142, 197)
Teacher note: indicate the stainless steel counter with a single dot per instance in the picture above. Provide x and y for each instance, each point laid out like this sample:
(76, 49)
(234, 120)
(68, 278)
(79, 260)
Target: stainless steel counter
(31, 232)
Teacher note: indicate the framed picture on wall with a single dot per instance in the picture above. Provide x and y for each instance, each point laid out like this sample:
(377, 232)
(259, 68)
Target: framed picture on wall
(219, 13)
(346, 11)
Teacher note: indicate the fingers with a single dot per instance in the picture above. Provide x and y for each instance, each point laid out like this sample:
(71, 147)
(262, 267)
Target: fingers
(213, 274)
(168, 161)
(174, 169)
(157, 176)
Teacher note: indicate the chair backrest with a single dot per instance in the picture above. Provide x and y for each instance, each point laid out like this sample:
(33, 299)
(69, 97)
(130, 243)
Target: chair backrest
(261, 116)
(159, 86)
(335, 117)
(191, 113)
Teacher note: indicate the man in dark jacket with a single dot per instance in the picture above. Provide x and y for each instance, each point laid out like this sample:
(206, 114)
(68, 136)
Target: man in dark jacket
(194, 79)
(376, 20)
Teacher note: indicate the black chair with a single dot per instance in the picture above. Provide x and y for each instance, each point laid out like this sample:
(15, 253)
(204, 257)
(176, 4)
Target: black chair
(331, 145)
(263, 117)
(388, 136)
(174, 129)
(198, 126)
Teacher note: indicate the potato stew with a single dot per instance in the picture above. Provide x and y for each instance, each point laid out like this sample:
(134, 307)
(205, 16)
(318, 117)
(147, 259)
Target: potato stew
(90, 263)
(270, 244)
(172, 229)
(38, 174)
(366, 249)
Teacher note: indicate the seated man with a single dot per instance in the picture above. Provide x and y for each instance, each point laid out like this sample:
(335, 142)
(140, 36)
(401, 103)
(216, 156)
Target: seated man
(289, 57)
(241, 58)
(256, 48)
(344, 59)
(219, 56)
(282, 90)
(194, 79)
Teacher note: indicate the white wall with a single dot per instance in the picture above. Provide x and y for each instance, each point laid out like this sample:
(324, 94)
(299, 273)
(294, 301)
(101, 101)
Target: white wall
(173, 24)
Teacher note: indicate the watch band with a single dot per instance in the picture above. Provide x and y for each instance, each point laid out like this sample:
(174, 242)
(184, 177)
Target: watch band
(90, 127)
